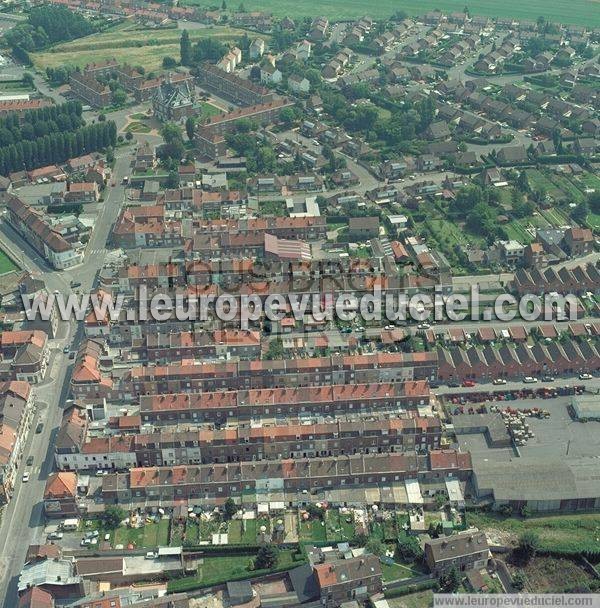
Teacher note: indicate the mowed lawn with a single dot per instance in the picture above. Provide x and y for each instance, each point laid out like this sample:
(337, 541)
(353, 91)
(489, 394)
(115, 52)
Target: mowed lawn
(128, 44)
(6, 264)
(581, 12)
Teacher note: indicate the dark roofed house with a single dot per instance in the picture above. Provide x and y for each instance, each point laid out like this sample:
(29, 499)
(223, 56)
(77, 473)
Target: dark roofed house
(512, 155)
(437, 130)
(363, 227)
(239, 592)
(174, 100)
(464, 551)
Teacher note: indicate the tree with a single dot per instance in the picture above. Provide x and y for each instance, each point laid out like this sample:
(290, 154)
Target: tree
(266, 557)
(580, 213)
(223, 5)
(28, 80)
(101, 117)
(594, 201)
(522, 182)
(185, 48)
(409, 548)
(529, 543)
(119, 97)
(173, 148)
(315, 512)
(255, 72)
(129, 136)
(113, 516)
(172, 180)
(375, 546)
(169, 62)
(450, 581)
(229, 508)
(190, 126)
(557, 141)
(275, 350)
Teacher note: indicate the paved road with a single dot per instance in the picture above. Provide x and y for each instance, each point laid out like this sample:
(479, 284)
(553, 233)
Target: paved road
(22, 522)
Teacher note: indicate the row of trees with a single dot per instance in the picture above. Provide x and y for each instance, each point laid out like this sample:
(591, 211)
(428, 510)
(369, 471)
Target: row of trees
(57, 147)
(205, 49)
(47, 25)
(38, 123)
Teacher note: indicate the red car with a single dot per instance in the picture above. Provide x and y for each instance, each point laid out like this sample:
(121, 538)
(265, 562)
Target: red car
(468, 383)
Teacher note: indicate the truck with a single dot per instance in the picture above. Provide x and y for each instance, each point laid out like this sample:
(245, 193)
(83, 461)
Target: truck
(70, 525)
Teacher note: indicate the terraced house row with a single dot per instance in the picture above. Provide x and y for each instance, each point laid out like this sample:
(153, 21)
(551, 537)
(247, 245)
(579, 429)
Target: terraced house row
(335, 400)
(77, 449)
(289, 479)
(93, 377)
(514, 361)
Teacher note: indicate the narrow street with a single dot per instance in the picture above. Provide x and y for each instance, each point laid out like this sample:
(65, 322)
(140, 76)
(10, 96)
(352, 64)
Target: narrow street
(23, 519)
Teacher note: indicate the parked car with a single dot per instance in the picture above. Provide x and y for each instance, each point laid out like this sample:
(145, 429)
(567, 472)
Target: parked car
(29, 461)
(530, 380)
(55, 536)
(498, 381)
(585, 376)
(39, 428)
(468, 383)
(547, 378)
(26, 477)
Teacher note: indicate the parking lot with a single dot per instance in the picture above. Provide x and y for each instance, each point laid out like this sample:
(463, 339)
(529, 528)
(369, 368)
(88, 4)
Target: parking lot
(558, 436)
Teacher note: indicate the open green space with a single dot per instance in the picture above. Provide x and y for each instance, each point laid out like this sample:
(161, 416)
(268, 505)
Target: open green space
(582, 12)
(149, 535)
(208, 109)
(221, 569)
(127, 43)
(6, 264)
(515, 230)
(313, 530)
(545, 574)
(420, 599)
(565, 533)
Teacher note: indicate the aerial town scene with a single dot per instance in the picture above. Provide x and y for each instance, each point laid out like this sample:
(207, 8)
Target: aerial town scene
(299, 302)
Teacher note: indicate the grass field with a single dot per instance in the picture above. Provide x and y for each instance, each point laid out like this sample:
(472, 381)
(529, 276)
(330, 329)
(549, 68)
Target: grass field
(559, 532)
(127, 43)
(553, 575)
(6, 264)
(582, 12)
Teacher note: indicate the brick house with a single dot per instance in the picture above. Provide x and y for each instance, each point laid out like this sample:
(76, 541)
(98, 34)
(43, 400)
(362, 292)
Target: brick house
(464, 551)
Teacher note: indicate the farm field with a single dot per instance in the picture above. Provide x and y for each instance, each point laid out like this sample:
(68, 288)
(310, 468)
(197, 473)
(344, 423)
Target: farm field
(129, 44)
(581, 12)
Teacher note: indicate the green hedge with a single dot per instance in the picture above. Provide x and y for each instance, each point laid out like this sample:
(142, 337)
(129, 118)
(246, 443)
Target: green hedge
(408, 589)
